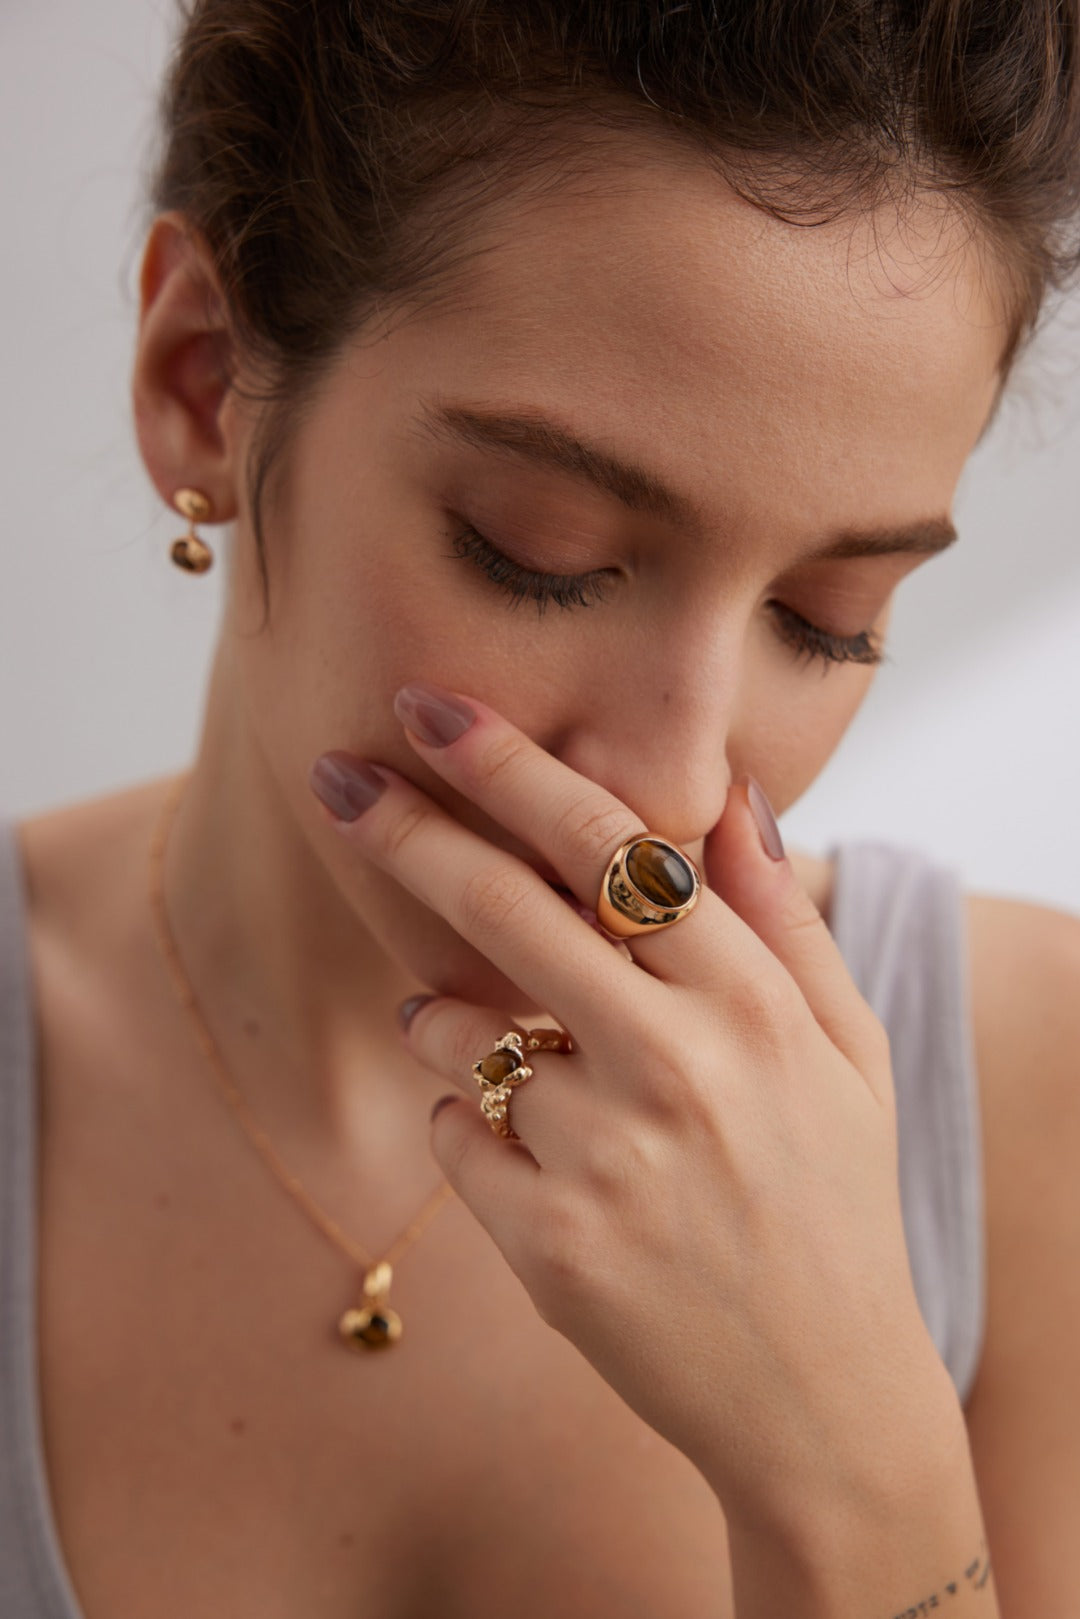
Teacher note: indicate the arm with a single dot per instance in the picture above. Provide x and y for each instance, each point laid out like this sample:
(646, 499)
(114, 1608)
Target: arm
(1010, 1498)
(736, 1174)
(1023, 1416)
(898, 1556)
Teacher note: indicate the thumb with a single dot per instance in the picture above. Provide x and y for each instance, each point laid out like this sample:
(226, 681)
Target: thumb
(744, 862)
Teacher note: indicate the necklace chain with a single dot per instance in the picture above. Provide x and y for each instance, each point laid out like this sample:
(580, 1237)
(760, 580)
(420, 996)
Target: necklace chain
(372, 1323)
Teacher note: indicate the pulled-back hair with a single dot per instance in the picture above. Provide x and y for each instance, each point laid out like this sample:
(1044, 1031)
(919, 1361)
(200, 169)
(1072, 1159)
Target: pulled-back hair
(334, 153)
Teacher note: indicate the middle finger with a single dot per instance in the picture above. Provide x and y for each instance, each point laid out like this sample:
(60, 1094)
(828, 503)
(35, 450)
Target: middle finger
(578, 826)
(500, 905)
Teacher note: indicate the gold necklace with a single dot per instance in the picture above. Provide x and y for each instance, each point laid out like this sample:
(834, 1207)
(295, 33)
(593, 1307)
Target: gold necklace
(370, 1323)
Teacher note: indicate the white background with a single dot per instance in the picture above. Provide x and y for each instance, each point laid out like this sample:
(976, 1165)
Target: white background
(968, 745)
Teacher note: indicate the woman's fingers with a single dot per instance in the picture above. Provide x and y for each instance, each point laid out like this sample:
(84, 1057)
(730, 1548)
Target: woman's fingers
(496, 902)
(576, 827)
(754, 943)
(449, 1036)
(765, 893)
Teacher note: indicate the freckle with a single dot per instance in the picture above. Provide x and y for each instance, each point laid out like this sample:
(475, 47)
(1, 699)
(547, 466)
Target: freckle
(238, 1425)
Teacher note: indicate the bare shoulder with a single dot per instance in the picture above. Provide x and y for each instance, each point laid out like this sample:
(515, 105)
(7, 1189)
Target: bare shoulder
(1025, 1003)
(1023, 1414)
(85, 869)
(78, 861)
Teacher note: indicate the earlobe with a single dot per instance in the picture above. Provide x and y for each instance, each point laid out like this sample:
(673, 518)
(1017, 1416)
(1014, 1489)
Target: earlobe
(182, 374)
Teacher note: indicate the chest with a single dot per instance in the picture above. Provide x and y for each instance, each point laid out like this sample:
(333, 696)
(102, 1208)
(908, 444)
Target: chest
(212, 1447)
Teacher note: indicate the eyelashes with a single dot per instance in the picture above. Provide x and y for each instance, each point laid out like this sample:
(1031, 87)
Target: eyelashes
(812, 642)
(526, 584)
(586, 589)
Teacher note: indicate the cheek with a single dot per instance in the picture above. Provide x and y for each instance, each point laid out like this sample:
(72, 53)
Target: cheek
(801, 721)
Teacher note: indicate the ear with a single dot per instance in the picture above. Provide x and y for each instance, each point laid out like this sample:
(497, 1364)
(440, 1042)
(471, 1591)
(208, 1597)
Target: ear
(185, 421)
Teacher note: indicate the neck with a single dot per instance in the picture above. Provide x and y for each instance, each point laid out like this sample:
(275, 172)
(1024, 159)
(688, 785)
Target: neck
(299, 997)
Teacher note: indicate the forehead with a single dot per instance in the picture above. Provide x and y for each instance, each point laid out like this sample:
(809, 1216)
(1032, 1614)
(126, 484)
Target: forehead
(833, 364)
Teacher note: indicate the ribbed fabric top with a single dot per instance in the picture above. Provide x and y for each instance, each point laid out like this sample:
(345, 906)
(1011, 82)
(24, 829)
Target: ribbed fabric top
(898, 919)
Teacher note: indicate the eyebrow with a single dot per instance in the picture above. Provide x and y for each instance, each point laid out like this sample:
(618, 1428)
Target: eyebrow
(545, 442)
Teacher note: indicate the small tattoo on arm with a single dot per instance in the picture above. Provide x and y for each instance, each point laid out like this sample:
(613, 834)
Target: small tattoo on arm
(976, 1576)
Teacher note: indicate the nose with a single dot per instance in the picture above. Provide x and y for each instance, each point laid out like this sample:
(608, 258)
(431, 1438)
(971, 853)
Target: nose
(657, 739)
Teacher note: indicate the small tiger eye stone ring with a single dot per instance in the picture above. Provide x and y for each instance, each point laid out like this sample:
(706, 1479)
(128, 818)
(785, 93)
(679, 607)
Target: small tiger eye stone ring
(504, 1067)
(649, 884)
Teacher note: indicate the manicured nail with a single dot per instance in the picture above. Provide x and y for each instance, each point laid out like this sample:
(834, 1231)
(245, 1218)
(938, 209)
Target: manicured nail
(347, 786)
(441, 1103)
(772, 842)
(408, 1009)
(434, 715)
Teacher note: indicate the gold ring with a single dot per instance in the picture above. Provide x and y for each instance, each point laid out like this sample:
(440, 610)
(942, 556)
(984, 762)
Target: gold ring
(504, 1068)
(649, 883)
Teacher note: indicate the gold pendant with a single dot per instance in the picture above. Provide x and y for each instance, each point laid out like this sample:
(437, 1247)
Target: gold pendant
(373, 1324)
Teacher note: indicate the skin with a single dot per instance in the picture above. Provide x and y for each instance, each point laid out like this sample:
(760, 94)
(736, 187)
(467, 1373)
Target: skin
(790, 382)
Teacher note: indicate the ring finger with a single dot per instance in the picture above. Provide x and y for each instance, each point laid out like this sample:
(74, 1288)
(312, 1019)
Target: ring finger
(449, 1036)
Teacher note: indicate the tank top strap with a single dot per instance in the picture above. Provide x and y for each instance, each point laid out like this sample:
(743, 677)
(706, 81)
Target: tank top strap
(899, 919)
(33, 1576)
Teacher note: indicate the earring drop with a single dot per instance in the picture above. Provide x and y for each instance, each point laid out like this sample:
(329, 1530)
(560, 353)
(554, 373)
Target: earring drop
(189, 551)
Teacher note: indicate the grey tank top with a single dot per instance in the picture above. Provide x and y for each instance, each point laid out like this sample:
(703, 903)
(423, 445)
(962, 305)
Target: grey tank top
(898, 919)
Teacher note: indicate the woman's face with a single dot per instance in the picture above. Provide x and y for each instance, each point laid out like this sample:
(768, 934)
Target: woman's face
(786, 388)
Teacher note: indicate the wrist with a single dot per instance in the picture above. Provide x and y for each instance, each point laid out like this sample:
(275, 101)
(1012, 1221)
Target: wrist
(882, 1539)
(893, 1454)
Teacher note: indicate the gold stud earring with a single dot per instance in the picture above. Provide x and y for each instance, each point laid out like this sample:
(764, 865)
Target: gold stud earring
(189, 551)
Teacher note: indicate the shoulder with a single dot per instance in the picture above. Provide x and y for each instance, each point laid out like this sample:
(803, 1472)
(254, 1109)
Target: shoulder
(76, 858)
(1025, 1006)
(1025, 980)
(1022, 1414)
(84, 875)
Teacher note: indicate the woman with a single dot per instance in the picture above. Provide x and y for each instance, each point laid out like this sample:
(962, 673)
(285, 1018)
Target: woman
(677, 323)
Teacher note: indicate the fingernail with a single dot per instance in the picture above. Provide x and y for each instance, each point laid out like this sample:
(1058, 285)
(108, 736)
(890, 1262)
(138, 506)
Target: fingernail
(347, 786)
(408, 1009)
(771, 840)
(436, 717)
(443, 1101)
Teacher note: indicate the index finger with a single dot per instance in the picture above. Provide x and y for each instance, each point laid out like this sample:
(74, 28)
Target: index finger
(577, 826)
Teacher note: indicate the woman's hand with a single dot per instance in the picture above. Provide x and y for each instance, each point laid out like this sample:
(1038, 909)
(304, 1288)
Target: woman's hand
(705, 1196)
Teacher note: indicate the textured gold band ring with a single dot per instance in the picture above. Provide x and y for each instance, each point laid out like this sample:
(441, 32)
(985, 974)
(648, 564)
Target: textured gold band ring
(504, 1068)
(649, 883)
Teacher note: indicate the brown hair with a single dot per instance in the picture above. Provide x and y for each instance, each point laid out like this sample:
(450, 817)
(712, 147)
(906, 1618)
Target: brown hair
(333, 152)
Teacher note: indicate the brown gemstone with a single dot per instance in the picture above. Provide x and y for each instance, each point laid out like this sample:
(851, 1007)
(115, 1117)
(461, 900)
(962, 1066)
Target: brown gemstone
(496, 1067)
(382, 1327)
(370, 1328)
(377, 1332)
(659, 873)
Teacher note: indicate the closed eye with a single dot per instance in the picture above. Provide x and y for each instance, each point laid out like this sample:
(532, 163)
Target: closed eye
(526, 584)
(585, 589)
